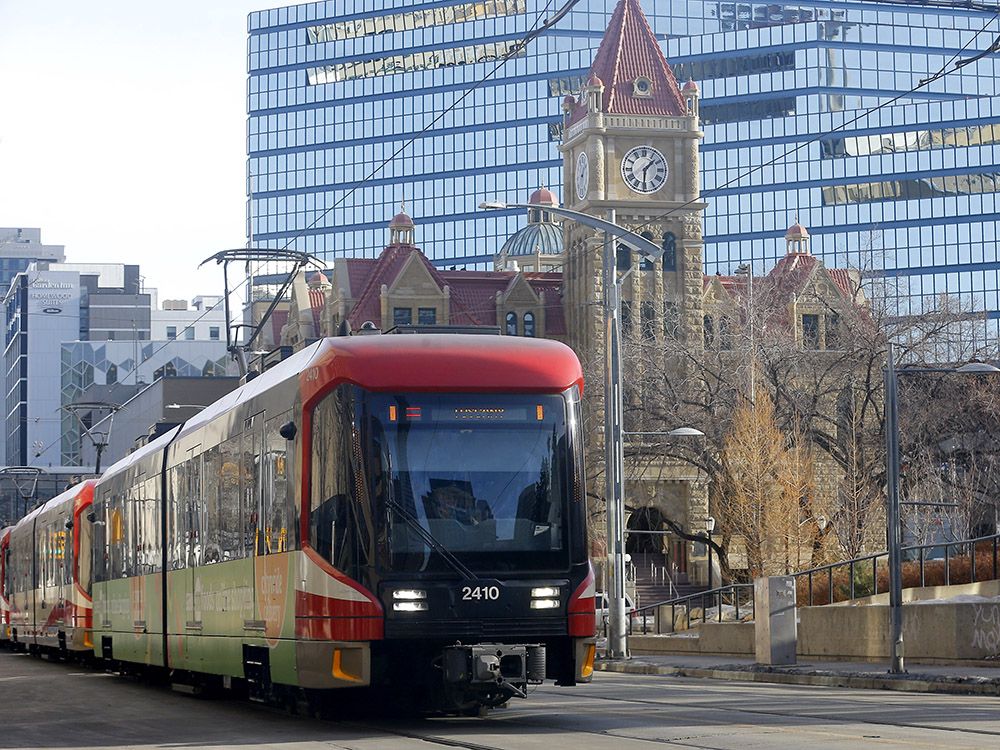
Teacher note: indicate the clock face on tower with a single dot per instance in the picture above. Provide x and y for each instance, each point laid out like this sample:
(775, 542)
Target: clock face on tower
(582, 175)
(644, 169)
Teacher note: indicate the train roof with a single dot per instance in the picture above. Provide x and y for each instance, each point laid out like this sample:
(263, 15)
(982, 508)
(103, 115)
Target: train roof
(161, 442)
(64, 496)
(399, 362)
(454, 362)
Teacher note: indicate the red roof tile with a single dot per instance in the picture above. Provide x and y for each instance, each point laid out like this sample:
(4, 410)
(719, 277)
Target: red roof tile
(358, 271)
(629, 51)
(387, 266)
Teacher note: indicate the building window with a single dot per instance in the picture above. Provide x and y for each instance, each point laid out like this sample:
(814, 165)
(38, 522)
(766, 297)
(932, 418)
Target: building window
(213, 333)
(648, 313)
(427, 316)
(402, 316)
(529, 324)
(646, 264)
(189, 333)
(709, 332)
(623, 258)
(810, 331)
(511, 324)
(832, 331)
(671, 319)
(112, 377)
(171, 332)
(725, 334)
(669, 252)
(625, 320)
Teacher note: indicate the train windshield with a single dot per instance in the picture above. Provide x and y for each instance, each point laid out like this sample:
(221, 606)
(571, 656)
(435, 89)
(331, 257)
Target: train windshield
(481, 481)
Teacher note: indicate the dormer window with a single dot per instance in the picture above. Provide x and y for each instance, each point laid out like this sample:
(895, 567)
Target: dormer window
(642, 87)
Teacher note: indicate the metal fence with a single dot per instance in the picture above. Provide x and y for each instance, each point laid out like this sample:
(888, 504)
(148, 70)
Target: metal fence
(733, 602)
(934, 564)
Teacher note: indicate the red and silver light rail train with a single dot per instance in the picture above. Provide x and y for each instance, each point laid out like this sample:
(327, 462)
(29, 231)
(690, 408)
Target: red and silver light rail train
(400, 512)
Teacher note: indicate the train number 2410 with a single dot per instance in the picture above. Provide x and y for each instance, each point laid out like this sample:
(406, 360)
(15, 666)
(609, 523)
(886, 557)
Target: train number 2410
(480, 593)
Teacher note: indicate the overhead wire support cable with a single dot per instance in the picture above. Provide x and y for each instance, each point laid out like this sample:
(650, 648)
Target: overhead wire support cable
(941, 73)
(533, 33)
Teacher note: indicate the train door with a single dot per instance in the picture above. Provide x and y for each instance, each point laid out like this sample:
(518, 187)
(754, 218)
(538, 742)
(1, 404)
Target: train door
(47, 591)
(62, 553)
(252, 440)
(188, 494)
(275, 584)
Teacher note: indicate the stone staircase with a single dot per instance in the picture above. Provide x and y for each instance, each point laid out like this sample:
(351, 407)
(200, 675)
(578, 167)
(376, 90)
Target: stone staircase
(651, 585)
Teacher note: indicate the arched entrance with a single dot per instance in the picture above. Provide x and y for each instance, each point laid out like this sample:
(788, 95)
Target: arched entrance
(652, 546)
(639, 540)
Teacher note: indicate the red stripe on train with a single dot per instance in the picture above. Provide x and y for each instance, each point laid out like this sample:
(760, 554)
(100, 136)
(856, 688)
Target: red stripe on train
(582, 615)
(323, 618)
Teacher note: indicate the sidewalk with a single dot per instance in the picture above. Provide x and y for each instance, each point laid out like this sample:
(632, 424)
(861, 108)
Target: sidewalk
(920, 678)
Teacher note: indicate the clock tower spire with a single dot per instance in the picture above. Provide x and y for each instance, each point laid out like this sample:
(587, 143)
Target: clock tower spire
(630, 146)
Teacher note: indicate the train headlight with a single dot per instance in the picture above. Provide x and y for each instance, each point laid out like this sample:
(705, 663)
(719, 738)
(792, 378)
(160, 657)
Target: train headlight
(409, 595)
(544, 603)
(409, 606)
(545, 592)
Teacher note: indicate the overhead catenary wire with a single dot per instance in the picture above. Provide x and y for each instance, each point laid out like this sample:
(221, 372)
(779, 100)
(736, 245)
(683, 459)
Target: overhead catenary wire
(538, 27)
(945, 70)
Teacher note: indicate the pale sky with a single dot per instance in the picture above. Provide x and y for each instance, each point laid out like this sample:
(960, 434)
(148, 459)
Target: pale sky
(122, 131)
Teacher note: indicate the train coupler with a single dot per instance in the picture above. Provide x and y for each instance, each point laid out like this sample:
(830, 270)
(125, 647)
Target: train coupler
(494, 672)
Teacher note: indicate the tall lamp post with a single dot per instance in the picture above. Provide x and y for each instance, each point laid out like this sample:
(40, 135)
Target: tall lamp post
(710, 527)
(894, 541)
(614, 449)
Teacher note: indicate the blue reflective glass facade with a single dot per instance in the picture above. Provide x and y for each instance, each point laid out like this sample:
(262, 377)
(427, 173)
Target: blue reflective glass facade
(335, 88)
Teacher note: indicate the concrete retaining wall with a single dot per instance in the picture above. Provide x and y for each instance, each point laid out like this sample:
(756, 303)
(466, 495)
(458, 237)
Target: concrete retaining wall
(931, 632)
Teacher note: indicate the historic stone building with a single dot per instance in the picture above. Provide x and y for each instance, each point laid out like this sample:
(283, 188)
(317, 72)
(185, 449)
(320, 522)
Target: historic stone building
(630, 152)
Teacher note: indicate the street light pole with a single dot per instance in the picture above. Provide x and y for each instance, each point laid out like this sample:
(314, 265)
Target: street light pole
(894, 531)
(896, 665)
(710, 527)
(613, 430)
(614, 454)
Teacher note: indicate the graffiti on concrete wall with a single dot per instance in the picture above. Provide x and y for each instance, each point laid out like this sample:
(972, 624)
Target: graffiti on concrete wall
(986, 627)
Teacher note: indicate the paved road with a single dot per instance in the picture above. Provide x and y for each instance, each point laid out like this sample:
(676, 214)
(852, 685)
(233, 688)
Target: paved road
(49, 705)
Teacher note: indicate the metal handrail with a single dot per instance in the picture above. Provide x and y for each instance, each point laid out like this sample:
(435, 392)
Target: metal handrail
(858, 569)
(735, 595)
(856, 586)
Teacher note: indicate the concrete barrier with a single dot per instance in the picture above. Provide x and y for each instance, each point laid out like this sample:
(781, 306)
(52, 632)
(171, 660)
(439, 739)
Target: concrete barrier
(934, 632)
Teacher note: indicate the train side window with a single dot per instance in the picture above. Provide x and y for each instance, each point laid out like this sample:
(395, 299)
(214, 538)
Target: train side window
(253, 540)
(278, 526)
(66, 552)
(329, 531)
(175, 531)
(99, 542)
(153, 506)
(193, 508)
(130, 544)
(211, 495)
(230, 521)
(116, 536)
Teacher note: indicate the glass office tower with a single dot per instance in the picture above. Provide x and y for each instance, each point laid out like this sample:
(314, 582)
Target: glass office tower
(336, 88)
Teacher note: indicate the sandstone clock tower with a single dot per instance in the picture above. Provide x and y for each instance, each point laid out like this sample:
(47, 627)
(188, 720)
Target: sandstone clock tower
(630, 145)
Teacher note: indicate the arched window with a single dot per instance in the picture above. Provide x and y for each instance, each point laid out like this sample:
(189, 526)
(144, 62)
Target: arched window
(529, 324)
(511, 324)
(669, 252)
(623, 258)
(709, 332)
(646, 264)
(112, 376)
